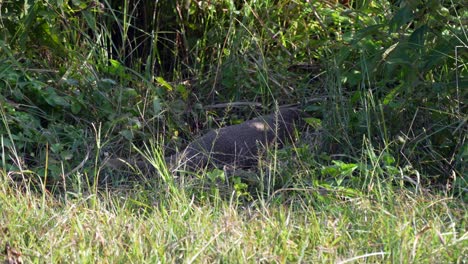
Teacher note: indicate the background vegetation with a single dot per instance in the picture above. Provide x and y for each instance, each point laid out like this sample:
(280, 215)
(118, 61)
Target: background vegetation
(384, 81)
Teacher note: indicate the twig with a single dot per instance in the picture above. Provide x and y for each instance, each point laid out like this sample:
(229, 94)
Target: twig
(79, 165)
(233, 104)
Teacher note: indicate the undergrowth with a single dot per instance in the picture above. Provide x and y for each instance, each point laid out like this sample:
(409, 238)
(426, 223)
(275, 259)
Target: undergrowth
(378, 175)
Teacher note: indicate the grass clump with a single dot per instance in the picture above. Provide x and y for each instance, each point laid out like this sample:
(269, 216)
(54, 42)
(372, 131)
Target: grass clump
(145, 225)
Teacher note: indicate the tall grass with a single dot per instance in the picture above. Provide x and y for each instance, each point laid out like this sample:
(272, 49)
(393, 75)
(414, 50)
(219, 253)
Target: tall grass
(377, 176)
(145, 225)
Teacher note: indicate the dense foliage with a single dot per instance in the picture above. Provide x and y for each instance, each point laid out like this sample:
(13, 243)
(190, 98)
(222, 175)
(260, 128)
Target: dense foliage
(80, 78)
(377, 175)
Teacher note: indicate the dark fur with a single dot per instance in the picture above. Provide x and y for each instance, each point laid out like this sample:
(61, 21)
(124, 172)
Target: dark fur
(238, 146)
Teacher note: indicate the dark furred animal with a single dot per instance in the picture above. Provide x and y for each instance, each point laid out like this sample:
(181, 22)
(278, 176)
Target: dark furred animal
(237, 146)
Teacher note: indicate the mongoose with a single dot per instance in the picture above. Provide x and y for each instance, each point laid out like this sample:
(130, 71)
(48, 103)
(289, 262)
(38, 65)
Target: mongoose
(237, 146)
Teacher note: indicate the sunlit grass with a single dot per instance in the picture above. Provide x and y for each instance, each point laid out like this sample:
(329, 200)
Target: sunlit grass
(144, 225)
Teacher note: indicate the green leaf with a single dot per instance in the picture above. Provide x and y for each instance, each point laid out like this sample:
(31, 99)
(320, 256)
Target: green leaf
(215, 175)
(314, 122)
(127, 134)
(116, 67)
(388, 159)
(75, 106)
(389, 98)
(330, 170)
(53, 99)
(90, 20)
(183, 91)
(162, 82)
(345, 168)
(56, 148)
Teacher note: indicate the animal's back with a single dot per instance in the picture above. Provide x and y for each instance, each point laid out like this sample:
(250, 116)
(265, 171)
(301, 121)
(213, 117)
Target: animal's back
(239, 145)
